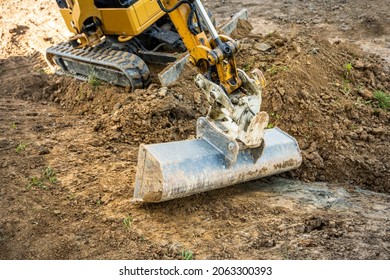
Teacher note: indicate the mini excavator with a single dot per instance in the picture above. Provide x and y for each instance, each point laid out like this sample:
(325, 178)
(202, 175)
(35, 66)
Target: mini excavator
(116, 40)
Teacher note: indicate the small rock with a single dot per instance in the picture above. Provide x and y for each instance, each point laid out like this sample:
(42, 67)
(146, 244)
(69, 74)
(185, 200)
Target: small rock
(354, 136)
(153, 87)
(345, 27)
(378, 130)
(317, 160)
(117, 106)
(315, 51)
(197, 97)
(37, 207)
(115, 117)
(336, 41)
(281, 91)
(163, 92)
(290, 100)
(57, 212)
(359, 130)
(89, 96)
(364, 136)
(296, 47)
(260, 243)
(116, 127)
(276, 102)
(279, 42)
(307, 243)
(366, 94)
(314, 223)
(305, 94)
(43, 151)
(263, 47)
(317, 20)
(97, 126)
(359, 64)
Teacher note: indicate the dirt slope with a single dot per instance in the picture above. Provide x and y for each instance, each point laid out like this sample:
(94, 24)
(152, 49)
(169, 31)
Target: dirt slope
(69, 153)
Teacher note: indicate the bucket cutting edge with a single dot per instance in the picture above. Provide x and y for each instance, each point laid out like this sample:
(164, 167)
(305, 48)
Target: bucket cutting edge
(177, 169)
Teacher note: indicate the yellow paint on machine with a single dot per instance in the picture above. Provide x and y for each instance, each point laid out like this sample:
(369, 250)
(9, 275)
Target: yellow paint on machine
(130, 21)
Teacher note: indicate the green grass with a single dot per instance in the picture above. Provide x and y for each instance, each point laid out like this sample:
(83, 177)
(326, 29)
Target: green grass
(348, 69)
(93, 80)
(45, 181)
(346, 87)
(98, 202)
(35, 182)
(187, 255)
(275, 115)
(277, 68)
(13, 125)
(71, 196)
(361, 102)
(128, 221)
(247, 66)
(270, 125)
(50, 175)
(383, 99)
(285, 253)
(21, 147)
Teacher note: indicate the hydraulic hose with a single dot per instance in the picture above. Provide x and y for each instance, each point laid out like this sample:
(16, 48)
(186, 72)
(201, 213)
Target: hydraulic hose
(190, 16)
(162, 7)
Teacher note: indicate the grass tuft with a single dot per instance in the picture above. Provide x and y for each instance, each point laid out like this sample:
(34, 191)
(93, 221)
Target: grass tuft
(21, 147)
(93, 80)
(383, 99)
(45, 181)
(187, 255)
(128, 221)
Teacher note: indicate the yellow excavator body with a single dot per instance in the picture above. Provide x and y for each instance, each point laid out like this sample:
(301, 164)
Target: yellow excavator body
(127, 21)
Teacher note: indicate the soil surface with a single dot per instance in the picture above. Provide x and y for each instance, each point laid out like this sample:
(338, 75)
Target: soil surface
(69, 148)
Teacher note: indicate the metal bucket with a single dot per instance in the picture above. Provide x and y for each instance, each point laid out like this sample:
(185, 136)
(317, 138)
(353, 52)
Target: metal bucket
(177, 169)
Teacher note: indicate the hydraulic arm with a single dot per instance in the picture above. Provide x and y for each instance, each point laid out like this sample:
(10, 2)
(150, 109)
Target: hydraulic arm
(234, 97)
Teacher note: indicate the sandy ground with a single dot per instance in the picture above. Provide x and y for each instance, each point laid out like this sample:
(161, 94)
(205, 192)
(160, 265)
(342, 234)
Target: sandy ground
(69, 149)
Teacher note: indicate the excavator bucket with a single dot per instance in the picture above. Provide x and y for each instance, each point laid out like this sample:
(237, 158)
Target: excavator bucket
(177, 169)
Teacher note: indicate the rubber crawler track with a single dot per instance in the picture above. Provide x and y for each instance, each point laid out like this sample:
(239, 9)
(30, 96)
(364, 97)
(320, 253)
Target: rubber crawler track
(113, 66)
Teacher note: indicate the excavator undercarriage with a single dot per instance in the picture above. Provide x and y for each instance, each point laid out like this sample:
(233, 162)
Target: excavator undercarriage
(116, 40)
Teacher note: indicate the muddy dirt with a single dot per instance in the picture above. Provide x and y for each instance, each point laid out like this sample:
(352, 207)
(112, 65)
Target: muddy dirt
(69, 148)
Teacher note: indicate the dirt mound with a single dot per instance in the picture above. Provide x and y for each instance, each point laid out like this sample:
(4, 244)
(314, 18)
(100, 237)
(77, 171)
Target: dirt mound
(144, 116)
(244, 27)
(327, 97)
